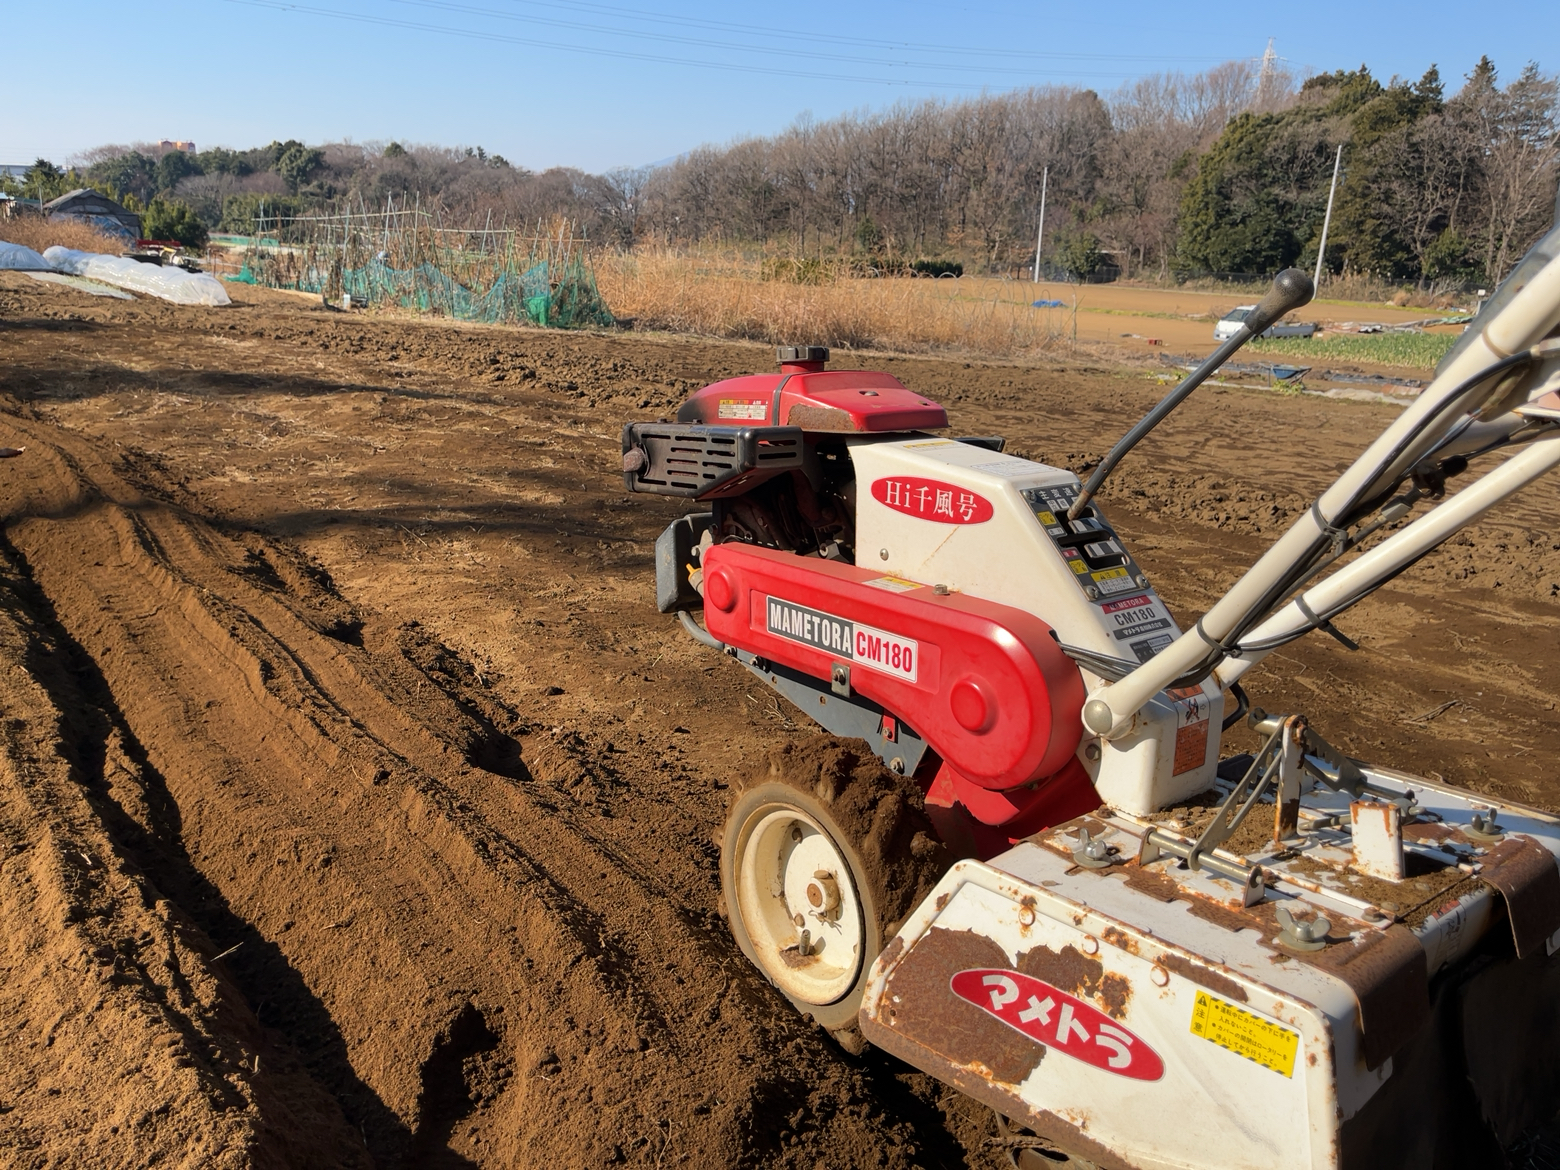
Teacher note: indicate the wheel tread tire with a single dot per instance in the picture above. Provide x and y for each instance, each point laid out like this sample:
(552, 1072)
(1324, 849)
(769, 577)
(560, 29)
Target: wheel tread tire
(877, 820)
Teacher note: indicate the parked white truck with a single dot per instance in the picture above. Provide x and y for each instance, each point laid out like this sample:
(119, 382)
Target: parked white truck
(1231, 322)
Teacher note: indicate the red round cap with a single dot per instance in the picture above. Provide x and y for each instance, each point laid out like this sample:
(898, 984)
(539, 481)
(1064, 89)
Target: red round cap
(719, 591)
(973, 706)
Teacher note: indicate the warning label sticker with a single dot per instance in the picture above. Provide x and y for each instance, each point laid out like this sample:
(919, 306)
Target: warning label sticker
(893, 584)
(1114, 581)
(1191, 736)
(1012, 467)
(1191, 747)
(1244, 1033)
(743, 408)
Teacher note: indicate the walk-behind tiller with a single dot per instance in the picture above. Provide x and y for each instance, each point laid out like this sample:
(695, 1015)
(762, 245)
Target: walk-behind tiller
(1147, 957)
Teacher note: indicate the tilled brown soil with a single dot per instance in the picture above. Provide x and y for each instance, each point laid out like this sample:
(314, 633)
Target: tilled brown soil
(356, 807)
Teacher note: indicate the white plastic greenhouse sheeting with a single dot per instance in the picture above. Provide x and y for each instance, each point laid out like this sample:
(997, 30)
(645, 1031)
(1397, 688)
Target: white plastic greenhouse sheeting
(171, 284)
(18, 258)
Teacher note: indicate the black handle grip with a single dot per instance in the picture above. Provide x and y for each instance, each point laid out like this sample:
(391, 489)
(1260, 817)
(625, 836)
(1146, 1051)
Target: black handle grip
(1291, 289)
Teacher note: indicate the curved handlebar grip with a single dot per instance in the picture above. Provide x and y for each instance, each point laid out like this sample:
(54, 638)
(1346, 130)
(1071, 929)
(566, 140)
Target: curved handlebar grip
(1291, 289)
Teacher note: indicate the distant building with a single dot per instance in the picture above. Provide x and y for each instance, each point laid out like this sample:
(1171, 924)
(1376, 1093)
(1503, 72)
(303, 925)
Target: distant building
(176, 144)
(99, 210)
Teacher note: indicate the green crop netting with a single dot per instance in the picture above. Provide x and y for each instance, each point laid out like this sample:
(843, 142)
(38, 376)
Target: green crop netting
(559, 294)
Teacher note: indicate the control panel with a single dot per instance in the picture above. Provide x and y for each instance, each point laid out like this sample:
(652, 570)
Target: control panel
(1104, 570)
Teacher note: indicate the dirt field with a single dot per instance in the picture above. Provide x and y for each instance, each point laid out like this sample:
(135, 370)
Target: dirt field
(356, 806)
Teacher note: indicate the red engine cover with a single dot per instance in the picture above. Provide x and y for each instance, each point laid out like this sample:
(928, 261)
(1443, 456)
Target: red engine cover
(984, 684)
(815, 400)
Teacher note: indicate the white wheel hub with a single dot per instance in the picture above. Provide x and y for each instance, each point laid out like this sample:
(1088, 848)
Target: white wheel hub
(799, 906)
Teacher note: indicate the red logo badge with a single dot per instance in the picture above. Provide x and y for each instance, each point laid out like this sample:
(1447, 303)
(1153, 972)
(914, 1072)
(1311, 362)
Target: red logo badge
(1059, 1021)
(1128, 603)
(931, 499)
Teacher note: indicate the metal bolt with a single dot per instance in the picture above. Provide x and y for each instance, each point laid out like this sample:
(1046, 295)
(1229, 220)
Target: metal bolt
(940, 590)
(1026, 916)
(823, 892)
(1092, 751)
(796, 832)
(1141, 580)
(896, 766)
(804, 944)
(1091, 592)
(1091, 853)
(882, 554)
(797, 920)
(1299, 933)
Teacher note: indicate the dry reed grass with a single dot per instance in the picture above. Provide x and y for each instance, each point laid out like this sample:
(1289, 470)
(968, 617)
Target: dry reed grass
(1352, 288)
(38, 233)
(724, 295)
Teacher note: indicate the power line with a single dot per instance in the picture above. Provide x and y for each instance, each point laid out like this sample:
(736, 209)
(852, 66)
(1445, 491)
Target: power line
(624, 54)
(813, 54)
(811, 40)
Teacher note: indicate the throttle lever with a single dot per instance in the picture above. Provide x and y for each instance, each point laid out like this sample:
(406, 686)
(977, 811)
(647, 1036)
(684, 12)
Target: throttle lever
(1291, 289)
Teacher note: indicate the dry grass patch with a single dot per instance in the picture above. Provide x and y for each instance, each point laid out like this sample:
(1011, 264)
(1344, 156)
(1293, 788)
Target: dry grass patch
(725, 295)
(38, 233)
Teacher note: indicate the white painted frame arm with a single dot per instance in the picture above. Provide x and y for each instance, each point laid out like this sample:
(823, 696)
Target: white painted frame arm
(1530, 315)
(1355, 581)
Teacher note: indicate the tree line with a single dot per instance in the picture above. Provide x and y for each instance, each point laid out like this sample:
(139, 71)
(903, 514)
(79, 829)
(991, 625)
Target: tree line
(1222, 172)
(1226, 172)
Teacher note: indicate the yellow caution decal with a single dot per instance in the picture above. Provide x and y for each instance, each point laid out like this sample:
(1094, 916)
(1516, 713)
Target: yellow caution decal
(1245, 1033)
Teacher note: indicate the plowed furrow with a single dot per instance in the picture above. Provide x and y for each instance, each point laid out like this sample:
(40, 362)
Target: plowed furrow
(400, 916)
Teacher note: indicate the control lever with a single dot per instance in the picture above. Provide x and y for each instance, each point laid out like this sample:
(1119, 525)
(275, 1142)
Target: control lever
(1291, 289)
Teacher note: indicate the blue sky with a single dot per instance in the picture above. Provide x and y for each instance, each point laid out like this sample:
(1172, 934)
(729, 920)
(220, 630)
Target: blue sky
(597, 85)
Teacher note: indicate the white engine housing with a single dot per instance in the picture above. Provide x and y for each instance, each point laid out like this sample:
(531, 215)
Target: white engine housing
(1027, 556)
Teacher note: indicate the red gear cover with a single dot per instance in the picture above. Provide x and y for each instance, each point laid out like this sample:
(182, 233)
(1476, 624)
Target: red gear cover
(984, 684)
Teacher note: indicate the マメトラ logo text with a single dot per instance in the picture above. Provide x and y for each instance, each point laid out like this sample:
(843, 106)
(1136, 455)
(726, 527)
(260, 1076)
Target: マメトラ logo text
(1058, 1020)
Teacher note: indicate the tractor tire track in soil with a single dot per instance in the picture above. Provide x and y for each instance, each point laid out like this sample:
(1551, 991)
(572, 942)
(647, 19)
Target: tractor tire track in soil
(312, 798)
(357, 809)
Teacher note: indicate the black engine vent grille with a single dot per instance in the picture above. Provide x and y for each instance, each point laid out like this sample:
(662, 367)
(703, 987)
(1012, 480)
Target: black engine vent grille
(706, 462)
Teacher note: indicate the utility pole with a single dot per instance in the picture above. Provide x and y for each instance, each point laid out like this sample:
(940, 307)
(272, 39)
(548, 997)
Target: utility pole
(1321, 250)
(1045, 178)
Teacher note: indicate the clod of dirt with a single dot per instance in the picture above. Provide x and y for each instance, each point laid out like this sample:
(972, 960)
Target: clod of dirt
(884, 815)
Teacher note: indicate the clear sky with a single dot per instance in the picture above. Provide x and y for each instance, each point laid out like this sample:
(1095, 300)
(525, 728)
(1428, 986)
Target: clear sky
(628, 82)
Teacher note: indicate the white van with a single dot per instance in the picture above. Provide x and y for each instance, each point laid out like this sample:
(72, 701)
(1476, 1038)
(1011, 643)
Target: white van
(1231, 321)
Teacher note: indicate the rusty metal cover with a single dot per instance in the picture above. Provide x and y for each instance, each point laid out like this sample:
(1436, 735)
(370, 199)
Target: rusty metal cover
(1387, 972)
(1525, 873)
(917, 999)
(920, 1020)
